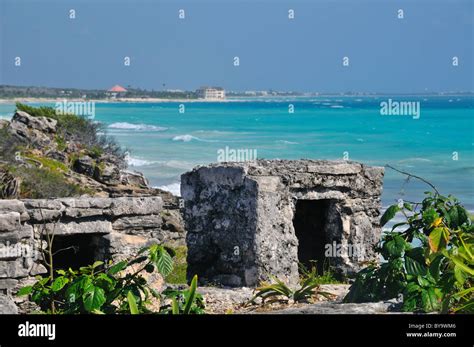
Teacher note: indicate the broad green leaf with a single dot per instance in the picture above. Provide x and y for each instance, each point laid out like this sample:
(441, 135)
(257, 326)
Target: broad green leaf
(438, 239)
(94, 298)
(396, 246)
(409, 305)
(423, 282)
(458, 261)
(163, 262)
(389, 214)
(464, 292)
(132, 303)
(429, 300)
(434, 268)
(97, 263)
(459, 275)
(59, 284)
(430, 215)
(117, 267)
(414, 268)
(25, 291)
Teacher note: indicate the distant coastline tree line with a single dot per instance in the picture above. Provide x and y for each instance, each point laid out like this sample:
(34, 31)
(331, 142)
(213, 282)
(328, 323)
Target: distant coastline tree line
(8, 92)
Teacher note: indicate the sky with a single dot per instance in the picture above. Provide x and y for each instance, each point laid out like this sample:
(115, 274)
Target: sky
(386, 54)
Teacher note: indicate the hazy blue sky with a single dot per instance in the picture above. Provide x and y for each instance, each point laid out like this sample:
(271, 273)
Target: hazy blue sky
(386, 54)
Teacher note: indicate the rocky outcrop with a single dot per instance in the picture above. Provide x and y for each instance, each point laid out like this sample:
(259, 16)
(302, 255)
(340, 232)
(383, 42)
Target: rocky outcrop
(101, 174)
(248, 221)
(36, 131)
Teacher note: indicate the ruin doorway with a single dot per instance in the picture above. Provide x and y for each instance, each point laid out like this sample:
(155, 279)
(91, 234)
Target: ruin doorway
(309, 221)
(75, 251)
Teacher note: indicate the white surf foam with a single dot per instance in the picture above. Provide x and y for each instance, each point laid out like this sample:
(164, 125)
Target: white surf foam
(130, 126)
(173, 188)
(189, 138)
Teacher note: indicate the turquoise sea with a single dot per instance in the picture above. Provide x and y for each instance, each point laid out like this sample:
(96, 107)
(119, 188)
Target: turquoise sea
(164, 143)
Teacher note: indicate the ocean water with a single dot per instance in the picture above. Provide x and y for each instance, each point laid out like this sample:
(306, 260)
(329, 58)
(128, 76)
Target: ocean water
(164, 143)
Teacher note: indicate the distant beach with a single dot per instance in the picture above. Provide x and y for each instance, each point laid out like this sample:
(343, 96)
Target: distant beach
(165, 143)
(108, 101)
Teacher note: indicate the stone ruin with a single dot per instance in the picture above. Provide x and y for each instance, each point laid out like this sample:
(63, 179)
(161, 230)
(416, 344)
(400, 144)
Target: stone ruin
(247, 222)
(85, 230)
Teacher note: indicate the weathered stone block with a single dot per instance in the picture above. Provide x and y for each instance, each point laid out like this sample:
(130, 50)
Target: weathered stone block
(249, 221)
(136, 206)
(7, 306)
(43, 210)
(13, 269)
(137, 222)
(9, 221)
(14, 206)
(80, 227)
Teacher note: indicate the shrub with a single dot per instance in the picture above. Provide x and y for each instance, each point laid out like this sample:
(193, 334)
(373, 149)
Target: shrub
(280, 292)
(81, 130)
(327, 277)
(113, 288)
(41, 183)
(184, 302)
(9, 145)
(438, 274)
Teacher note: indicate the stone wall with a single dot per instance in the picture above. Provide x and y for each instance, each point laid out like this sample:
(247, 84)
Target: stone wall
(240, 217)
(117, 226)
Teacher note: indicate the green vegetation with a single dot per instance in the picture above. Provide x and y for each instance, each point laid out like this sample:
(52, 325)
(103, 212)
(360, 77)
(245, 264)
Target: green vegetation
(50, 164)
(279, 292)
(41, 183)
(184, 302)
(27, 172)
(55, 93)
(431, 262)
(178, 275)
(327, 277)
(114, 288)
(78, 129)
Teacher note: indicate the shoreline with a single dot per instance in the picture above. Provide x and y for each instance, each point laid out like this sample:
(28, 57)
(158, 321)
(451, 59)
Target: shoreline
(114, 101)
(8, 101)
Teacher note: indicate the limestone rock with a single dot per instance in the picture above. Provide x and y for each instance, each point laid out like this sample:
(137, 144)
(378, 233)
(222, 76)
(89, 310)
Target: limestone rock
(7, 306)
(24, 231)
(137, 222)
(133, 178)
(57, 155)
(136, 206)
(13, 269)
(14, 206)
(9, 221)
(107, 173)
(32, 130)
(246, 221)
(85, 165)
(82, 227)
(43, 124)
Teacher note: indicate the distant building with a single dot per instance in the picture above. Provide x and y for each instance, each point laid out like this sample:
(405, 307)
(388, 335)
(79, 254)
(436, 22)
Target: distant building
(211, 93)
(116, 91)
